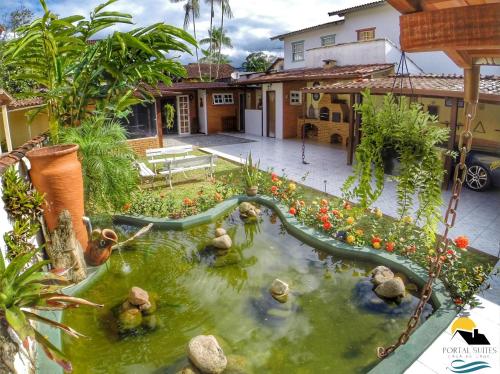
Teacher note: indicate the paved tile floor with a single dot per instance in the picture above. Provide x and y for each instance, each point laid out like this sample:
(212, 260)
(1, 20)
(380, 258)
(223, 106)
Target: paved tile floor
(200, 140)
(478, 217)
(478, 213)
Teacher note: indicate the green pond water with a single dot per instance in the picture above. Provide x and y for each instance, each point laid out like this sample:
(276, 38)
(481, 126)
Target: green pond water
(332, 322)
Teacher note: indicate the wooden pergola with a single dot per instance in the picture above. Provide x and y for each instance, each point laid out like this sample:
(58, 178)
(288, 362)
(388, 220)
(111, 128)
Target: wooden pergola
(468, 31)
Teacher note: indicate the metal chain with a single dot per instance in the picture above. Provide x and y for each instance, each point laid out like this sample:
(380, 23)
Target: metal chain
(304, 145)
(464, 145)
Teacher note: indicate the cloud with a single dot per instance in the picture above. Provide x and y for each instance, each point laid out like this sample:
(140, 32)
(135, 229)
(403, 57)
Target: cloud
(254, 22)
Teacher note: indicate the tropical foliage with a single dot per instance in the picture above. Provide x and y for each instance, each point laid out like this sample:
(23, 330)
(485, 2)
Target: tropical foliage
(413, 135)
(23, 205)
(25, 289)
(258, 62)
(107, 162)
(250, 172)
(79, 73)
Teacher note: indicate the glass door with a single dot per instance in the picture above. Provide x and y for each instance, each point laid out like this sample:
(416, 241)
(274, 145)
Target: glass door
(183, 119)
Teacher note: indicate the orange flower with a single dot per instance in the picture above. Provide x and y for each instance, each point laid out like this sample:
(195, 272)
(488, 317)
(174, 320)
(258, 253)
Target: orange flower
(218, 197)
(347, 206)
(324, 218)
(274, 189)
(335, 212)
(462, 242)
(292, 211)
(126, 207)
(301, 203)
(324, 202)
(327, 225)
(389, 246)
(187, 201)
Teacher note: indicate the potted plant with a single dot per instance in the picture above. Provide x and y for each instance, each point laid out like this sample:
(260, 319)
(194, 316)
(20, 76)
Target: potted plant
(251, 175)
(402, 131)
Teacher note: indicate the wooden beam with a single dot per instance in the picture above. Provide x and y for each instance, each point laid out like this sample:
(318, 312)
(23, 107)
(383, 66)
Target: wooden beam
(461, 59)
(6, 127)
(463, 28)
(405, 6)
(159, 122)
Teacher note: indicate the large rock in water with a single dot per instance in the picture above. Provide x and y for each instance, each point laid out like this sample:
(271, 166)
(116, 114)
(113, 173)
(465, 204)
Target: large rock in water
(206, 354)
(279, 290)
(381, 274)
(219, 232)
(248, 210)
(222, 242)
(391, 288)
(137, 296)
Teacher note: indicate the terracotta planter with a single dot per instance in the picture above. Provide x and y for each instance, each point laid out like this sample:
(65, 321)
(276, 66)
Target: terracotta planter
(100, 247)
(57, 173)
(252, 191)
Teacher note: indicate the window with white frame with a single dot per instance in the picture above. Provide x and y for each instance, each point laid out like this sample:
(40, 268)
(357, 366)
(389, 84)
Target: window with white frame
(222, 98)
(295, 98)
(298, 51)
(328, 40)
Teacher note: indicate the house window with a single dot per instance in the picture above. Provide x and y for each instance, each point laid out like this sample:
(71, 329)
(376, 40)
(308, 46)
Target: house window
(298, 51)
(327, 40)
(366, 34)
(141, 122)
(223, 98)
(295, 98)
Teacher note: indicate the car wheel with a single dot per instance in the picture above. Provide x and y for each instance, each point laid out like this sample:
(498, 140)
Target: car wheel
(477, 178)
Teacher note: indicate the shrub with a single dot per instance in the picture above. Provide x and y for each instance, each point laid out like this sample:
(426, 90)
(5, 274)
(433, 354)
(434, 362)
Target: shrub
(107, 162)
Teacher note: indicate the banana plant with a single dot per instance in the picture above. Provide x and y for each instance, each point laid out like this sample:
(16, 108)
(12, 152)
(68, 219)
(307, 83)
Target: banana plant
(26, 289)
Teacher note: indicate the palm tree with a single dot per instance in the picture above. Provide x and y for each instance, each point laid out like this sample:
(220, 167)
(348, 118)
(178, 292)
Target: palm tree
(191, 13)
(217, 39)
(225, 11)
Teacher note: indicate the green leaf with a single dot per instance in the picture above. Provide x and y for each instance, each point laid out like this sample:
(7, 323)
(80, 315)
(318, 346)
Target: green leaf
(53, 353)
(55, 324)
(17, 320)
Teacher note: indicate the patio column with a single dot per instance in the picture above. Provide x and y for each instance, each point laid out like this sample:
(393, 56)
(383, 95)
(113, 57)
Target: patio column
(448, 164)
(357, 122)
(159, 124)
(6, 127)
(350, 146)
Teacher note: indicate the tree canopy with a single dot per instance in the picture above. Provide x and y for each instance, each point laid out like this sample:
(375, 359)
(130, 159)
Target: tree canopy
(258, 62)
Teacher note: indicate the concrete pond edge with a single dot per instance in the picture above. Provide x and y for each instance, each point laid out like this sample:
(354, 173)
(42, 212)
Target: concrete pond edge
(401, 359)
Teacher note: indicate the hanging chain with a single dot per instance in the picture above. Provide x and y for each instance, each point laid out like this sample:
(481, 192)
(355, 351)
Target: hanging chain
(464, 145)
(304, 145)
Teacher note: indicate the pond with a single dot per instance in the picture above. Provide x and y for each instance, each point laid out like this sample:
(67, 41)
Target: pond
(332, 321)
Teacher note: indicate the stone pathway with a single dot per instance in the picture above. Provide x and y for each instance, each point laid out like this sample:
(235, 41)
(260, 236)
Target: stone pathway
(478, 213)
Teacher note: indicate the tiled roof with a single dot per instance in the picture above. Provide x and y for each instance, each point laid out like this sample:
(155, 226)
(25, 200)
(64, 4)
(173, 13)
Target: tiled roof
(428, 84)
(343, 12)
(317, 27)
(225, 70)
(17, 154)
(179, 87)
(337, 72)
(26, 103)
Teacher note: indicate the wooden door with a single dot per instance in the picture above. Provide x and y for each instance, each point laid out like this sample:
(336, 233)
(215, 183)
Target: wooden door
(271, 113)
(183, 117)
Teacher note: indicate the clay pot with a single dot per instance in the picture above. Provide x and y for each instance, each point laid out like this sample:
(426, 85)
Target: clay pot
(252, 191)
(56, 172)
(100, 247)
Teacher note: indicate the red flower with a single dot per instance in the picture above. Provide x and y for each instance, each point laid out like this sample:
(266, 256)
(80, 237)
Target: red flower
(327, 225)
(323, 210)
(450, 252)
(462, 242)
(376, 239)
(274, 189)
(324, 218)
(292, 211)
(389, 246)
(274, 175)
(458, 301)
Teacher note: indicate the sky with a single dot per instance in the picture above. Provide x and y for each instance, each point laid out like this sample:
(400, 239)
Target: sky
(253, 24)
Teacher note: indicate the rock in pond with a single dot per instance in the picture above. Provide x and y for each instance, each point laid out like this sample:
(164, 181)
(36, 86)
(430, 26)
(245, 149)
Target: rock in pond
(271, 311)
(130, 319)
(137, 296)
(279, 290)
(381, 274)
(391, 289)
(222, 242)
(248, 210)
(206, 354)
(220, 231)
(232, 257)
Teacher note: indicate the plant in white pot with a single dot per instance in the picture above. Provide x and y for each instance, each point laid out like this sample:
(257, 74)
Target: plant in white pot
(251, 175)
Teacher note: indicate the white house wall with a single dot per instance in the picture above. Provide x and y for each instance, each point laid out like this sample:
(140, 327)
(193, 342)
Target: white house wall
(253, 122)
(386, 21)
